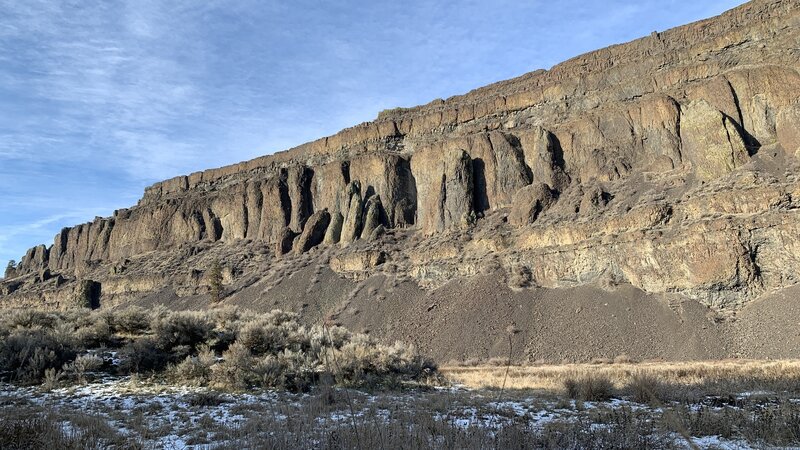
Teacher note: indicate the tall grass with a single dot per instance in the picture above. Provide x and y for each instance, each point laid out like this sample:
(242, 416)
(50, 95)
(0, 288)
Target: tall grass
(649, 382)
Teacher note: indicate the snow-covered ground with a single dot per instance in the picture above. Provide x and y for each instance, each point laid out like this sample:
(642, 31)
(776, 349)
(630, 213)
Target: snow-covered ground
(158, 416)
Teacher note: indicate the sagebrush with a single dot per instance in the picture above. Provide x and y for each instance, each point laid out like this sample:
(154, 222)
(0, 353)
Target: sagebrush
(224, 348)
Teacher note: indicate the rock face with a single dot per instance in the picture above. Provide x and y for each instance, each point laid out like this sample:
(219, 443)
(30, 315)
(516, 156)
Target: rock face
(788, 129)
(711, 141)
(670, 162)
(445, 185)
(314, 231)
(529, 202)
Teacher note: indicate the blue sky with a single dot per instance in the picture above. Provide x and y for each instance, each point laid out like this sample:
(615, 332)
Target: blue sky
(99, 99)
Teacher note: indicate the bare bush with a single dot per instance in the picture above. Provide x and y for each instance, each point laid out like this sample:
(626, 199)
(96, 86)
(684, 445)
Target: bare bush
(142, 356)
(132, 320)
(29, 318)
(273, 334)
(182, 328)
(236, 369)
(81, 366)
(222, 348)
(196, 370)
(646, 388)
(26, 354)
(588, 388)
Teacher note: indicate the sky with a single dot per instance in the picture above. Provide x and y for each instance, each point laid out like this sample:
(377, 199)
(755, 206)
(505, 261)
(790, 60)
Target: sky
(99, 99)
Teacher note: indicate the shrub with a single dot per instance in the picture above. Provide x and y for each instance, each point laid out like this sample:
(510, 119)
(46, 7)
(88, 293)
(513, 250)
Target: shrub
(271, 351)
(270, 372)
(26, 354)
(272, 335)
(235, 370)
(623, 359)
(587, 388)
(499, 361)
(29, 318)
(81, 366)
(362, 362)
(182, 328)
(196, 370)
(94, 334)
(132, 320)
(142, 355)
(646, 388)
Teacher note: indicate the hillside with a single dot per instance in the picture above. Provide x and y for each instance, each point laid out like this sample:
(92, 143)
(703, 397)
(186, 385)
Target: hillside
(641, 199)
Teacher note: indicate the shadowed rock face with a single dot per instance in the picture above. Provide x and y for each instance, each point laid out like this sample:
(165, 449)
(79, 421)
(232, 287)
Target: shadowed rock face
(669, 163)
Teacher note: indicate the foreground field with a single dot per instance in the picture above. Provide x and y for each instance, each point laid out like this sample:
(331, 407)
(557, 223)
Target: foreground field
(226, 378)
(676, 405)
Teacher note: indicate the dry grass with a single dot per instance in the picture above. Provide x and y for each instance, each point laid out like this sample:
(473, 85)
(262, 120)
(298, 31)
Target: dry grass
(331, 418)
(645, 381)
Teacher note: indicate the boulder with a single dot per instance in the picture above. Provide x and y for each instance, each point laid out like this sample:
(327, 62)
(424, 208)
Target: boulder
(353, 221)
(529, 203)
(285, 240)
(314, 231)
(376, 234)
(334, 231)
(87, 294)
(374, 216)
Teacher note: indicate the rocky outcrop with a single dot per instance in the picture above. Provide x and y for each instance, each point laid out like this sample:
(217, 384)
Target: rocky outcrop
(711, 141)
(445, 188)
(285, 242)
(353, 220)
(787, 126)
(314, 231)
(334, 232)
(529, 202)
(598, 165)
(374, 216)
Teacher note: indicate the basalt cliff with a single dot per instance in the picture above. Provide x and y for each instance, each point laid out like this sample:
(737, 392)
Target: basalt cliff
(663, 172)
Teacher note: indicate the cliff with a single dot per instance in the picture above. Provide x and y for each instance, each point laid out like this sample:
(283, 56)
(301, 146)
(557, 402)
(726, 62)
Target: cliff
(668, 163)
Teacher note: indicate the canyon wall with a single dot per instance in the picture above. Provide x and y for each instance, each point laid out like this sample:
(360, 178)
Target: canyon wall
(669, 162)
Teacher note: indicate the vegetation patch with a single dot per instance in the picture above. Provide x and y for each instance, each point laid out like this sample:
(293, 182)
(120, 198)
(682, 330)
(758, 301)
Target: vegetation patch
(222, 348)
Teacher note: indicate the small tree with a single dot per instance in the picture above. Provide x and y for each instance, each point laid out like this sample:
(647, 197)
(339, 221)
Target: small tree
(215, 281)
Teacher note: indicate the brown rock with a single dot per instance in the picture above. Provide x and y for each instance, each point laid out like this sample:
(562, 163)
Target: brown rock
(593, 200)
(632, 121)
(788, 129)
(357, 261)
(334, 232)
(353, 221)
(299, 187)
(285, 241)
(444, 188)
(374, 216)
(314, 231)
(376, 234)
(711, 141)
(529, 203)
(543, 157)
